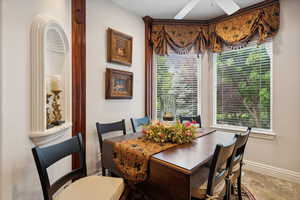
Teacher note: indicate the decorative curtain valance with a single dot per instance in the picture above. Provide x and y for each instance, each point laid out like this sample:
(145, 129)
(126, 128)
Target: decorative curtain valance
(262, 22)
(181, 38)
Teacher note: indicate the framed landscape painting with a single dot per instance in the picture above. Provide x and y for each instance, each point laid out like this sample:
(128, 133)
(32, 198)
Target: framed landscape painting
(119, 47)
(119, 84)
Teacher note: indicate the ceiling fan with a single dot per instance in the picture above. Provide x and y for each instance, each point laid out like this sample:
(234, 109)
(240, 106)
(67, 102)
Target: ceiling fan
(229, 7)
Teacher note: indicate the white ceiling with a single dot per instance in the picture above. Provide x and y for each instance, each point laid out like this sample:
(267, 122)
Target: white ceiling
(167, 9)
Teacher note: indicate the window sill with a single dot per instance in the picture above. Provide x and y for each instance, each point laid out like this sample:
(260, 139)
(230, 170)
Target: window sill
(255, 133)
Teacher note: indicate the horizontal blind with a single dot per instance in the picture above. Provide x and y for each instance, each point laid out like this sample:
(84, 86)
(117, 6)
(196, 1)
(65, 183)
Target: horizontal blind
(243, 86)
(178, 75)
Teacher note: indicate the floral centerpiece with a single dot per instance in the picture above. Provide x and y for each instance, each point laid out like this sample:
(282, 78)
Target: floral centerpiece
(162, 132)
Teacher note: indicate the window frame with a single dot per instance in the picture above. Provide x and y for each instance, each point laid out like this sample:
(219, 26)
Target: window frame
(154, 86)
(214, 96)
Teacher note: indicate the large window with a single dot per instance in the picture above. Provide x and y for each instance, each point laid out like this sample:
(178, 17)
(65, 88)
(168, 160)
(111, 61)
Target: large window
(178, 75)
(242, 87)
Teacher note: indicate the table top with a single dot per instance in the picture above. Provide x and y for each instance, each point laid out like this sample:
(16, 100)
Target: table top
(190, 156)
(187, 157)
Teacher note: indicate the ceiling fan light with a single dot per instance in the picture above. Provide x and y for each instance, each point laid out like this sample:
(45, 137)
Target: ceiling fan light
(229, 6)
(186, 9)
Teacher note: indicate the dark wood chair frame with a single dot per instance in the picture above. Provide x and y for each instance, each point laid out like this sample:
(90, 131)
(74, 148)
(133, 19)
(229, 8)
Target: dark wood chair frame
(217, 173)
(139, 122)
(106, 128)
(47, 156)
(196, 119)
(241, 142)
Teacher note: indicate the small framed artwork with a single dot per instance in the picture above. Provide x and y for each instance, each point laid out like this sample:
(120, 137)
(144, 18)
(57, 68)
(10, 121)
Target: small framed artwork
(119, 47)
(119, 84)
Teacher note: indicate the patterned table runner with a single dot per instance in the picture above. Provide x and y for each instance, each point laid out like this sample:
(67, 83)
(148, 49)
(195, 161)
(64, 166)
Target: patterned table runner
(132, 156)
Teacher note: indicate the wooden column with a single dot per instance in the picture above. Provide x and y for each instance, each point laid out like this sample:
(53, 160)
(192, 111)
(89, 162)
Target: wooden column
(148, 67)
(78, 72)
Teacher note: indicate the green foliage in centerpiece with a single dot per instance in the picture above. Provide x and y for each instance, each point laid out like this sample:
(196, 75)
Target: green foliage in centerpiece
(162, 132)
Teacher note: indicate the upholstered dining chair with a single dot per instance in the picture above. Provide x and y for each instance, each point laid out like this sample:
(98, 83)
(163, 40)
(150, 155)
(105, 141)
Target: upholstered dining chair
(190, 119)
(241, 142)
(85, 187)
(218, 184)
(138, 122)
(106, 128)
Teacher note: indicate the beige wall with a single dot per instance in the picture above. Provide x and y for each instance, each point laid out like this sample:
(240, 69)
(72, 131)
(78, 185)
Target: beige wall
(19, 177)
(283, 151)
(102, 14)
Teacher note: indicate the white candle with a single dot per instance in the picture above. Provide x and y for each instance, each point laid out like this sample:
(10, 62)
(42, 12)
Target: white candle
(55, 83)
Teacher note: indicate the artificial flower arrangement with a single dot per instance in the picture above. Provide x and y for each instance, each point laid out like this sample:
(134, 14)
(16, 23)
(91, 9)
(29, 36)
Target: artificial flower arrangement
(162, 132)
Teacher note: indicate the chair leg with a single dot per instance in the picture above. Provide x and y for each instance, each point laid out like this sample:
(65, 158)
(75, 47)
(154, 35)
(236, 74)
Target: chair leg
(232, 188)
(239, 186)
(228, 190)
(103, 171)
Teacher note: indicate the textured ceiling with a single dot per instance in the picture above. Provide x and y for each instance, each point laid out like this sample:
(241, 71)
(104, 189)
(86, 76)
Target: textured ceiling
(167, 9)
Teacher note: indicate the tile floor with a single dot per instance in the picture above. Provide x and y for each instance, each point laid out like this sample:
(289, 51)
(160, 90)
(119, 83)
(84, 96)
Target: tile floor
(269, 188)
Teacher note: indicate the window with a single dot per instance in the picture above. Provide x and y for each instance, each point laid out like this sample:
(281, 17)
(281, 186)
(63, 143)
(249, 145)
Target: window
(178, 75)
(242, 87)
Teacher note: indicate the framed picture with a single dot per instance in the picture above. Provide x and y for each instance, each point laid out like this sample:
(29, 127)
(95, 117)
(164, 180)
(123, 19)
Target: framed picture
(118, 84)
(119, 47)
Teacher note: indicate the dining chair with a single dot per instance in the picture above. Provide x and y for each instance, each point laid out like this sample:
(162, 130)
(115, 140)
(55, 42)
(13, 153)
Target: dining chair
(106, 128)
(241, 142)
(85, 187)
(219, 175)
(190, 119)
(137, 123)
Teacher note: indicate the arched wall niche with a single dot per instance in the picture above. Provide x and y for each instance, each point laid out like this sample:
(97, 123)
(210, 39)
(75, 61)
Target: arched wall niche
(51, 80)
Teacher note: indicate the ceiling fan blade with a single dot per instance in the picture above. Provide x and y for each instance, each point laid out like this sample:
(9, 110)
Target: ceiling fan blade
(229, 6)
(186, 9)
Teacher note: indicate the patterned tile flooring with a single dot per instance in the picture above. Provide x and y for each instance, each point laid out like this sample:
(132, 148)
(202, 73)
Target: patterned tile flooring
(268, 188)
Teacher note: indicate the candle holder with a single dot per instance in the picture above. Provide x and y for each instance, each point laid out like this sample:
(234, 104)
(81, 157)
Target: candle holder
(168, 107)
(57, 116)
(49, 121)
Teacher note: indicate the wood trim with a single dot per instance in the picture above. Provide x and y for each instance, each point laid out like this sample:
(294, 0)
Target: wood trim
(148, 67)
(78, 73)
(179, 22)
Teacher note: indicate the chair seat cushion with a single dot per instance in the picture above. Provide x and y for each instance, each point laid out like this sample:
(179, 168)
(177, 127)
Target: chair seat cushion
(93, 188)
(200, 192)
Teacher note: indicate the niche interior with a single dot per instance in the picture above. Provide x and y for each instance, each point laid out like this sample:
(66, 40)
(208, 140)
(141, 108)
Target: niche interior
(51, 80)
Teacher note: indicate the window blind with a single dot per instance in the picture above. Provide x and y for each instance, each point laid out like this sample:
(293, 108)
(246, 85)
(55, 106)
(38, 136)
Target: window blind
(243, 86)
(178, 75)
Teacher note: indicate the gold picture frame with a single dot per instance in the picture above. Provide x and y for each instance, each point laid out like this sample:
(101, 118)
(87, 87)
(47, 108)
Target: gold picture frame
(119, 47)
(118, 84)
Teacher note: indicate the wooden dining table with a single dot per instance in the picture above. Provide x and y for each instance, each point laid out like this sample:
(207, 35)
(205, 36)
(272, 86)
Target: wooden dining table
(173, 172)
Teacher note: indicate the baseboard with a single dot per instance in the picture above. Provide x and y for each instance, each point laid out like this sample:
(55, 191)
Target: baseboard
(280, 173)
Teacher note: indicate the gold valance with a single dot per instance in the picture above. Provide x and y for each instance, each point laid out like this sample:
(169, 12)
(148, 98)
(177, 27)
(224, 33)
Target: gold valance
(262, 22)
(181, 38)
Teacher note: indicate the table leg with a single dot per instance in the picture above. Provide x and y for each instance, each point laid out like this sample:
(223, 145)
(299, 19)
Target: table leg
(166, 183)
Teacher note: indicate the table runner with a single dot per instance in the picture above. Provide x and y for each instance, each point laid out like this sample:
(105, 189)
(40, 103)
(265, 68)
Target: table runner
(132, 156)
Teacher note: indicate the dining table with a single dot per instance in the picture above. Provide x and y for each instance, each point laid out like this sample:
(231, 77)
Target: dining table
(172, 173)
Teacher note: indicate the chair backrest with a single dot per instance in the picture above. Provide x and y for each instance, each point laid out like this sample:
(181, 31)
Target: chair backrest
(190, 119)
(241, 142)
(221, 165)
(47, 156)
(136, 123)
(106, 128)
